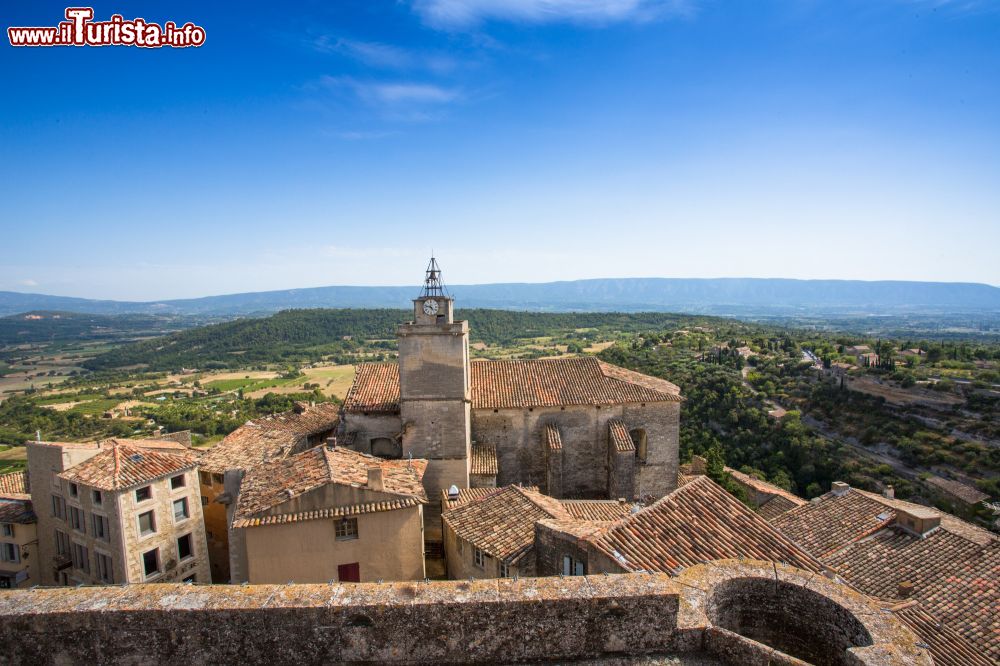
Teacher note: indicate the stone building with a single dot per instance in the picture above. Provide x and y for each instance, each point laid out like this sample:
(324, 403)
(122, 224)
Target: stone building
(331, 514)
(575, 427)
(260, 440)
(117, 511)
(18, 534)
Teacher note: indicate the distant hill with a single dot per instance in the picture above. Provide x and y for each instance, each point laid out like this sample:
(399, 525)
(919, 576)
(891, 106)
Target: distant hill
(735, 296)
(47, 326)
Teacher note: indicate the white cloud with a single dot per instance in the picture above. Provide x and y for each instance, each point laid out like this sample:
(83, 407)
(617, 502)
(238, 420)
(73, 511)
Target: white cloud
(27, 282)
(384, 56)
(396, 95)
(468, 13)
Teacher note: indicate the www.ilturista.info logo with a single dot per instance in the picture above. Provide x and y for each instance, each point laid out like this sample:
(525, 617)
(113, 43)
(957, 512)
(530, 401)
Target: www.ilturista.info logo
(79, 29)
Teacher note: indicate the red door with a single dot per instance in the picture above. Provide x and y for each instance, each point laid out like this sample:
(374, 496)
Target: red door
(349, 573)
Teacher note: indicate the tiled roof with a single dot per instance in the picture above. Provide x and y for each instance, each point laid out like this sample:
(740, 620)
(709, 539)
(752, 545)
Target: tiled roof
(954, 569)
(698, 522)
(552, 438)
(466, 495)
(167, 445)
(776, 506)
(484, 459)
(620, 438)
(966, 493)
(563, 381)
(328, 513)
(829, 522)
(764, 487)
(124, 465)
(503, 522)
(598, 509)
(523, 383)
(269, 485)
(948, 647)
(375, 389)
(16, 511)
(14, 484)
(270, 438)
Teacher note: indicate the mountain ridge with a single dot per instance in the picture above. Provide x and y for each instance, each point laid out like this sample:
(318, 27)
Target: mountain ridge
(701, 295)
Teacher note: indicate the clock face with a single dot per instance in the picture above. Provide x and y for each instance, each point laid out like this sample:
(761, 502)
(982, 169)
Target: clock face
(430, 307)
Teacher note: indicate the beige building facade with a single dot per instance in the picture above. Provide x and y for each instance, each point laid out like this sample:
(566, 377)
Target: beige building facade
(18, 533)
(121, 511)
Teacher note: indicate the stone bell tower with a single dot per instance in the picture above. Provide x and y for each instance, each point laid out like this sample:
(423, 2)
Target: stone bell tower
(434, 394)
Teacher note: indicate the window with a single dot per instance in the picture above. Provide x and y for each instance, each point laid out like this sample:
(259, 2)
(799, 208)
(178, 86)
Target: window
(9, 552)
(190, 579)
(76, 519)
(479, 557)
(144, 493)
(62, 543)
(81, 558)
(151, 562)
(58, 507)
(205, 478)
(147, 523)
(204, 501)
(177, 482)
(639, 442)
(8, 530)
(100, 527)
(181, 510)
(184, 549)
(74, 490)
(97, 497)
(572, 566)
(104, 569)
(504, 569)
(217, 478)
(347, 528)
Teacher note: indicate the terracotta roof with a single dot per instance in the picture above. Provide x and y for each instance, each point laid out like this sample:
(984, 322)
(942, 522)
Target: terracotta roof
(16, 511)
(964, 492)
(270, 437)
(563, 381)
(948, 647)
(953, 568)
(466, 495)
(14, 484)
(776, 506)
(829, 521)
(525, 383)
(600, 510)
(375, 389)
(484, 459)
(552, 438)
(619, 436)
(146, 443)
(503, 522)
(696, 523)
(125, 465)
(328, 513)
(268, 485)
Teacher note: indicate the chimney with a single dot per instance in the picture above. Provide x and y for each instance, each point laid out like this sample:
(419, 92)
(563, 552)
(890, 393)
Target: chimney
(904, 589)
(453, 492)
(889, 492)
(300, 406)
(375, 479)
(331, 443)
(918, 520)
(839, 488)
(698, 465)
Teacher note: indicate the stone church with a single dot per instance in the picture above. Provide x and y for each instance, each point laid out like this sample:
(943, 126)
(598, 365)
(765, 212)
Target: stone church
(574, 427)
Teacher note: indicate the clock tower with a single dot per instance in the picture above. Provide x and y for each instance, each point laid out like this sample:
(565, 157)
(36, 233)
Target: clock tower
(434, 393)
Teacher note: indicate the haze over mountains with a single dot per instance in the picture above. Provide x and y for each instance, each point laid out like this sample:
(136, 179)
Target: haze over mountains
(709, 296)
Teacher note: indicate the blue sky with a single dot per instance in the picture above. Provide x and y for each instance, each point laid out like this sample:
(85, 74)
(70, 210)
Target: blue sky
(320, 143)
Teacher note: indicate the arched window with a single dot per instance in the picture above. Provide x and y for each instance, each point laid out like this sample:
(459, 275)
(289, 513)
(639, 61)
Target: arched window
(385, 447)
(639, 440)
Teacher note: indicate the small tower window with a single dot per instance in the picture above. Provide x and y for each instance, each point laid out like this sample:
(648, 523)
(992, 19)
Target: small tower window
(639, 440)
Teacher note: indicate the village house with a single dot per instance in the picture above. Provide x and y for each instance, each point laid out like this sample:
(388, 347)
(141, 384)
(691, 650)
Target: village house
(765, 498)
(260, 440)
(330, 514)
(937, 570)
(18, 533)
(117, 511)
(963, 495)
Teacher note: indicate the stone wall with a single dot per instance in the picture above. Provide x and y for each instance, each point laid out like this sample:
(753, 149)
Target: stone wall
(545, 619)
(517, 434)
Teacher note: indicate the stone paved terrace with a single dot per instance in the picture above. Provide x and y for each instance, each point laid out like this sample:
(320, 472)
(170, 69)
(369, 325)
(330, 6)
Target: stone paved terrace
(710, 614)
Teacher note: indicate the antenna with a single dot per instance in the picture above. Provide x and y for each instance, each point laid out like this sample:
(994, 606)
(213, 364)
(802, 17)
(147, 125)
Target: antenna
(433, 286)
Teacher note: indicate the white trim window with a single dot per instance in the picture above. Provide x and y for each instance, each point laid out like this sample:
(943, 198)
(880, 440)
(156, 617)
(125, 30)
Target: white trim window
(181, 511)
(9, 552)
(151, 563)
(479, 557)
(8, 530)
(147, 523)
